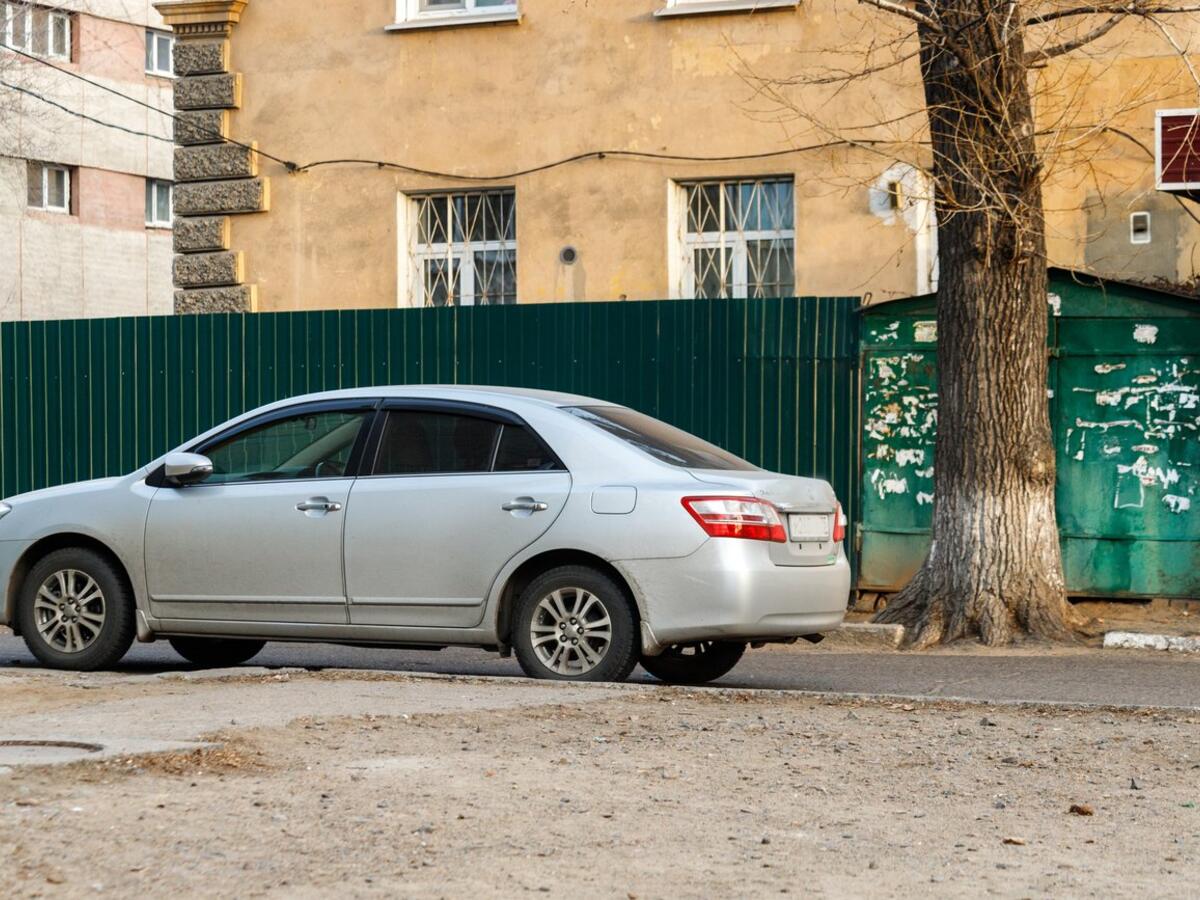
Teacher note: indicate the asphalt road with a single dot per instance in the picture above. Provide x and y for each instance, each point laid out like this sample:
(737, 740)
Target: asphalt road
(1094, 677)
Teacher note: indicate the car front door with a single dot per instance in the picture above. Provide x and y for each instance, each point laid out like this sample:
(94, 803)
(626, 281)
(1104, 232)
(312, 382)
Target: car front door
(453, 492)
(261, 539)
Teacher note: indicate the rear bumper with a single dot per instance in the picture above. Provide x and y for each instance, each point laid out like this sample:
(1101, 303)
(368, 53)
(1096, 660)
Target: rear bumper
(730, 589)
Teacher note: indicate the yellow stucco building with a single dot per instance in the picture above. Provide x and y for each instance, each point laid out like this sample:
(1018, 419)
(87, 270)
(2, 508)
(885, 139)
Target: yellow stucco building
(415, 152)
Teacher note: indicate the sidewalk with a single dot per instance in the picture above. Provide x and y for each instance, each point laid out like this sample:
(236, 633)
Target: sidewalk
(372, 784)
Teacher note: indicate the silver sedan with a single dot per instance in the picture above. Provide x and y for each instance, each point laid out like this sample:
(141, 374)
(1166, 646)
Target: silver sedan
(583, 536)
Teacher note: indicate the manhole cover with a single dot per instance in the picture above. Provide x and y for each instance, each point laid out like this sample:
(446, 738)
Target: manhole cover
(15, 753)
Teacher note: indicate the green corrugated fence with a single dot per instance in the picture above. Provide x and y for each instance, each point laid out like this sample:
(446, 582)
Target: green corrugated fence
(773, 380)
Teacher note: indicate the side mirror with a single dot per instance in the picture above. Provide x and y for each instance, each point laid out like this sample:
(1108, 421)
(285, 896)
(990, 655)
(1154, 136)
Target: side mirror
(182, 469)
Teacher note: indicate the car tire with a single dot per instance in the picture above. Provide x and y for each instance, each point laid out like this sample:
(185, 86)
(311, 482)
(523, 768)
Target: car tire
(217, 653)
(76, 611)
(575, 623)
(694, 663)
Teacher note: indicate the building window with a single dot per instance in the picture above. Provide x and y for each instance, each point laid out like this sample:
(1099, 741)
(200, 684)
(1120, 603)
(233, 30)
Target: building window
(702, 7)
(464, 249)
(18, 26)
(416, 10)
(58, 35)
(37, 30)
(158, 203)
(1139, 228)
(159, 53)
(738, 239)
(49, 187)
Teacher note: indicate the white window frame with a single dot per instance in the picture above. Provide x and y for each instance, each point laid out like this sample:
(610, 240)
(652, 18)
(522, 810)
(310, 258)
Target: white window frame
(708, 7)
(1134, 238)
(414, 255)
(156, 68)
(45, 170)
(154, 185)
(11, 12)
(413, 14)
(682, 267)
(52, 17)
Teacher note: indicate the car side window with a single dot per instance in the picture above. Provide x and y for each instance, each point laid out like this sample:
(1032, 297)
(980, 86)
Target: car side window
(521, 451)
(306, 446)
(418, 442)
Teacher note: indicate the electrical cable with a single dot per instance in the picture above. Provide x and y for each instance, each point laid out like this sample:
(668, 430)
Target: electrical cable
(431, 173)
(72, 112)
(580, 157)
(290, 166)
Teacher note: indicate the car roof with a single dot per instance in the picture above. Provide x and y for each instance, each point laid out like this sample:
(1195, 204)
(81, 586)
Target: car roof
(467, 392)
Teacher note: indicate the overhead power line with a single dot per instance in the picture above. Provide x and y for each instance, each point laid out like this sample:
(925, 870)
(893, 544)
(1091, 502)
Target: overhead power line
(431, 173)
(74, 112)
(589, 155)
(290, 166)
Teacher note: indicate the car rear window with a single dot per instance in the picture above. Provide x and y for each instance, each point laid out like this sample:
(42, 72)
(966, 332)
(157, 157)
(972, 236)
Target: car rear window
(658, 439)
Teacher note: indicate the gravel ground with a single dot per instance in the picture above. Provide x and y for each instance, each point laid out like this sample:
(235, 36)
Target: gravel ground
(461, 787)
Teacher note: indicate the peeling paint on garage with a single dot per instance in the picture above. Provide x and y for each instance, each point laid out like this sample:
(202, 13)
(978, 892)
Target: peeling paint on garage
(1125, 400)
(900, 418)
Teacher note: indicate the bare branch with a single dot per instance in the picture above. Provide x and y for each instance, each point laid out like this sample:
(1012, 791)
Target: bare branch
(1107, 9)
(1180, 51)
(863, 72)
(1044, 54)
(900, 10)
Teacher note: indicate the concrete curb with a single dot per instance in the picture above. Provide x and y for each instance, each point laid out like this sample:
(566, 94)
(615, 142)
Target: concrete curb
(720, 690)
(400, 676)
(1133, 640)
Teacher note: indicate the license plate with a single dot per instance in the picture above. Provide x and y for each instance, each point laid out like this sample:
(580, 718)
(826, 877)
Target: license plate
(810, 528)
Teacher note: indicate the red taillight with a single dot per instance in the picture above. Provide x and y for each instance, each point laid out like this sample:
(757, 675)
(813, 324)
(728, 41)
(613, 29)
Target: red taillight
(839, 525)
(737, 517)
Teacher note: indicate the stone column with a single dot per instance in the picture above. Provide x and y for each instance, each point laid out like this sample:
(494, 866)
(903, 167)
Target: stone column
(214, 179)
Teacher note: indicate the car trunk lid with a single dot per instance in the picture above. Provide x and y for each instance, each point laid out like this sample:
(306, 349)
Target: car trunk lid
(807, 505)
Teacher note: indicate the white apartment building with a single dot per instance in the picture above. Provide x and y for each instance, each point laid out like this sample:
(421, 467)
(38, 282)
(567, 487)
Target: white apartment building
(85, 174)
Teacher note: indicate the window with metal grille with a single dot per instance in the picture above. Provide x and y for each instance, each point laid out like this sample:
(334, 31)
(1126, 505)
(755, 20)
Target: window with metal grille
(739, 239)
(464, 249)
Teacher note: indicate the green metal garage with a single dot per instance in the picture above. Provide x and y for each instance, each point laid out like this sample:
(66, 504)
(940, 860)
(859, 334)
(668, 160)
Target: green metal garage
(1125, 407)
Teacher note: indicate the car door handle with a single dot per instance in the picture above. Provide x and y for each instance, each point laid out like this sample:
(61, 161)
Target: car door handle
(525, 504)
(318, 504)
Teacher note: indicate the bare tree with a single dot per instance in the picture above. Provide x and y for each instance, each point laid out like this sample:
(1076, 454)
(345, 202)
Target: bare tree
(994, 568)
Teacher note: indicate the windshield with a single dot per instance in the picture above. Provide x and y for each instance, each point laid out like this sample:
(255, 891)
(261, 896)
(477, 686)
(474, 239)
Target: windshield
(658, 439)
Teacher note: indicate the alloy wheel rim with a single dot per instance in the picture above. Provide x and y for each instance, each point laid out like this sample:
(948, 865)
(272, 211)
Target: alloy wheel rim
(69, 611)
(571, 631)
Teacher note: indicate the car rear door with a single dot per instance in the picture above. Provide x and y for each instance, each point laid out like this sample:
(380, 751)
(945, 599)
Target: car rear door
(454, 491)
(261, 539)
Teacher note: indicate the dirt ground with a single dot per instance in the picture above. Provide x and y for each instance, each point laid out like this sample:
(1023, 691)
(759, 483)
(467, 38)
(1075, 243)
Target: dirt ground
(503, 788)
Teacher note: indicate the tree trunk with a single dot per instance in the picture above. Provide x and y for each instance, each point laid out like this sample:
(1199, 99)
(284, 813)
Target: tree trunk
(994, 567)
